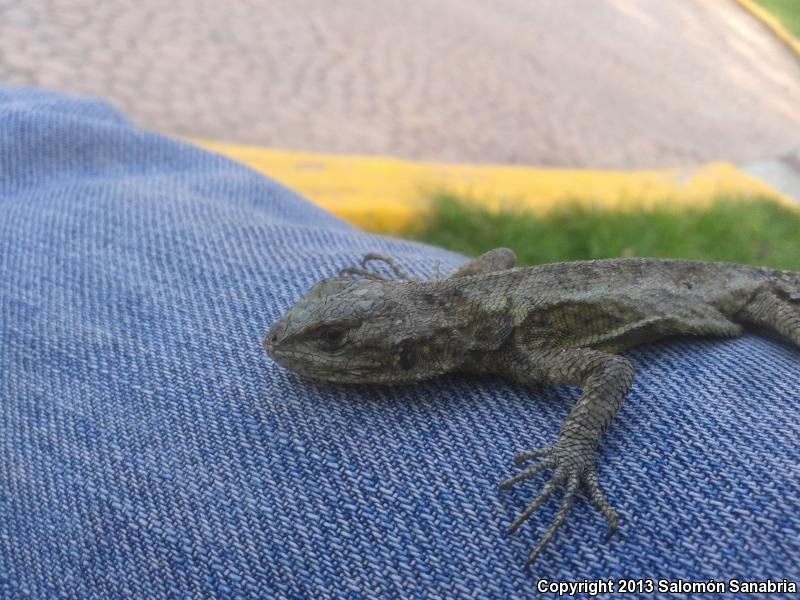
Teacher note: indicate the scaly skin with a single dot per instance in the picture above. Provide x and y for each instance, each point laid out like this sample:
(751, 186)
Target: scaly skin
(555, 324)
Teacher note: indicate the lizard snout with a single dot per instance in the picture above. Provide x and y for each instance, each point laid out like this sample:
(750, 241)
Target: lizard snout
(274, 337)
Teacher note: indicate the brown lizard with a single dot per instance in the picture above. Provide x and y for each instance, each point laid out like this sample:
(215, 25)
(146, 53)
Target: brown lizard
(553, 324)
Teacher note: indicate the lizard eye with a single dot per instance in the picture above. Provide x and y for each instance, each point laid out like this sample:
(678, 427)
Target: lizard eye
(332, 338)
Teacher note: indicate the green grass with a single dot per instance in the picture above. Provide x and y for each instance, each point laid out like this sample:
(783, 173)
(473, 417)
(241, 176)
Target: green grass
(786, 11)
(756, 231)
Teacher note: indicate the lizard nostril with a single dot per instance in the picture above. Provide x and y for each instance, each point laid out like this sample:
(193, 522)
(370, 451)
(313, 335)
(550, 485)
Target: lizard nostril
(269, 342)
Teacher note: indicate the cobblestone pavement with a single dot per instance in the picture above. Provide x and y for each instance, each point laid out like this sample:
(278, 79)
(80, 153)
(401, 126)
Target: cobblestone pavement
(606, 83)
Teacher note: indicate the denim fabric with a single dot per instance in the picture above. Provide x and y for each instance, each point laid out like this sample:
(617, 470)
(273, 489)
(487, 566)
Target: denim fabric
(151, 449)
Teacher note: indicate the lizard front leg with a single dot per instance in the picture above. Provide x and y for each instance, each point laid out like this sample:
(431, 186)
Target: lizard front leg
(605, 380)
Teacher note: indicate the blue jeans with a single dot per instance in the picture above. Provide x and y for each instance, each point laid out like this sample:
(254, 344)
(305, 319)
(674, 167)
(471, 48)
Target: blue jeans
(150, 448)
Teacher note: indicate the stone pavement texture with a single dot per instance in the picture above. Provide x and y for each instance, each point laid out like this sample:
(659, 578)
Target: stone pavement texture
(606, 84)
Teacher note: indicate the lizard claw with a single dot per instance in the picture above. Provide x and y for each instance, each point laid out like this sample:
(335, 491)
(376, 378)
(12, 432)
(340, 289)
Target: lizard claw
(599, 500)
(572, 467)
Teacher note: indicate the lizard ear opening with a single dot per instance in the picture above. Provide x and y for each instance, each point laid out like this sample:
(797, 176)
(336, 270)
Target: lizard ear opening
(408, 357)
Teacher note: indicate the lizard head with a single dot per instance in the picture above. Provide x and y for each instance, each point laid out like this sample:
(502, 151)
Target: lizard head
(360, 331)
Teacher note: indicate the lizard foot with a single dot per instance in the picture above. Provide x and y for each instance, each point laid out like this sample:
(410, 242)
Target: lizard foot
(572, 467)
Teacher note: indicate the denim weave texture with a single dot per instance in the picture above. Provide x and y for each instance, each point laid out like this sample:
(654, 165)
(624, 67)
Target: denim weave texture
(151, 449)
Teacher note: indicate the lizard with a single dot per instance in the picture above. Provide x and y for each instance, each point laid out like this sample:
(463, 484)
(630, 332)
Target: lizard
(553, 324)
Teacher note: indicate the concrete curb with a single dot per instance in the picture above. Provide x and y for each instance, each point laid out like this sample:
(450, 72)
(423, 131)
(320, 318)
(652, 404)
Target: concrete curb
(772, 24)
(781, 174)
(388, 195)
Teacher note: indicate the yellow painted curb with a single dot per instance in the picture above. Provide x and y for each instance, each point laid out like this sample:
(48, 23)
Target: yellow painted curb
(389, 195)
(772, 24)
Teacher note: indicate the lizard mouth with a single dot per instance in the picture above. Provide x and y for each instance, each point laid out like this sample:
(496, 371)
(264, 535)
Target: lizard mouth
(291, 359)
(310, 365)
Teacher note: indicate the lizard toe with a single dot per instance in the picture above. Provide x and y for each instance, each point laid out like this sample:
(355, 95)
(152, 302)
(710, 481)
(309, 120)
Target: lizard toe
(523, 457)
(599, 500)
(563, 509)
(547, 491)
(527, 473)
(573, 466)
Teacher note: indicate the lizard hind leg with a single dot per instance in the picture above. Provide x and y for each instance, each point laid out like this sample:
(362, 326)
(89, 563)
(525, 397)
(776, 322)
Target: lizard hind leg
(367, 273)
(777, 310)
(389, 261)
